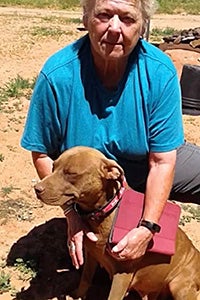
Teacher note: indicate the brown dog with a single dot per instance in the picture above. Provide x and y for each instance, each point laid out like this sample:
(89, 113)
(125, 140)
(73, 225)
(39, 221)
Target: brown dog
(86, 177)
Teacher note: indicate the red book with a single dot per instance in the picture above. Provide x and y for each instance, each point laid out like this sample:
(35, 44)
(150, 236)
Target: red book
(129, 214)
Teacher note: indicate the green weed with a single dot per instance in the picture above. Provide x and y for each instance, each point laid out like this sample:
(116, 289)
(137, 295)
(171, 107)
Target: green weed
(5, 285)
(192, 213)
(75, 20)
(61, 20)
(1, 157)
(163, 32)
(165, 6)
(15, 208)
(157, 34)
(47, 31)
(27, 269)
(7, 190)
(179, 6)
(55, 4)
(14, 89)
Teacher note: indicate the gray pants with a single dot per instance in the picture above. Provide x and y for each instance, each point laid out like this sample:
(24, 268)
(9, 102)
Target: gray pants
(186, 186)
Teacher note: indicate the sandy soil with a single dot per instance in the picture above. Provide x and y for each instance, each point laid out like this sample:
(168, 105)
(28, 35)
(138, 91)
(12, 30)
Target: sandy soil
(28, 229)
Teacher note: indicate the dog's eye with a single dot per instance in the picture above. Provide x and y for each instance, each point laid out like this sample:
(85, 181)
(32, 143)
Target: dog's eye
(71, 176)
(66, 172)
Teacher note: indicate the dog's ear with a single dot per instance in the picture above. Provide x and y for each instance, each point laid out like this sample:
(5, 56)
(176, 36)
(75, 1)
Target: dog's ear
(111, 170)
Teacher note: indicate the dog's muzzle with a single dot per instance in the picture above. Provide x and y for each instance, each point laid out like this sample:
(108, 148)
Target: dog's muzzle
(39, 189)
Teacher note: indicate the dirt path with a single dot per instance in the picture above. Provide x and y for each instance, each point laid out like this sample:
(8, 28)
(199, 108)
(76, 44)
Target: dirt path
(178, 21)
(27, 228)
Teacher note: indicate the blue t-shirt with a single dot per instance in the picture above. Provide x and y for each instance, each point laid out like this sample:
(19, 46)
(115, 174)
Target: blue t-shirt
(70, 107)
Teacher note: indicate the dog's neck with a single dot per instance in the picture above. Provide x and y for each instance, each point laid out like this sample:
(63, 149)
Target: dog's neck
(113, 197)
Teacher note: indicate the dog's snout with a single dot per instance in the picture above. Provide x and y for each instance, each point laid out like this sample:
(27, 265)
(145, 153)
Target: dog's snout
(39, 188)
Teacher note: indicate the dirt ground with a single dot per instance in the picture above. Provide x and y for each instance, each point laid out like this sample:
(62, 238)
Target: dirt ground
(28, 229)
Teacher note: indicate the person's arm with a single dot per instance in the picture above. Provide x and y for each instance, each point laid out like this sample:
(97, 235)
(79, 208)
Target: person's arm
(159, 182)
(43, 164)
(76, 228)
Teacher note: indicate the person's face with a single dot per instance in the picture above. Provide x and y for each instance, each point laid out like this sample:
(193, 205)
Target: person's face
(114, 27)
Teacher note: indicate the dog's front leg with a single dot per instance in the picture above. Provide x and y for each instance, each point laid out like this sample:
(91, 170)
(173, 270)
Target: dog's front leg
(87, 275)
(120, 285)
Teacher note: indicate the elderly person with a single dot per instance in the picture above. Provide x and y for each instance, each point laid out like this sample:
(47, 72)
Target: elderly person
(114, 91)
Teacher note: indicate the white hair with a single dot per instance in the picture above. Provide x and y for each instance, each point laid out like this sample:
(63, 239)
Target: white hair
(148, 7)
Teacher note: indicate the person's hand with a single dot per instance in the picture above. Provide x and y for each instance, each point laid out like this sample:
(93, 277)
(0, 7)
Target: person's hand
(76, 231)
(133, 245)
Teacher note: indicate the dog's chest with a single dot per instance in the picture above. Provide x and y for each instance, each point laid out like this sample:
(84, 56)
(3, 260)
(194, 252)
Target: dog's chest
(100, 252)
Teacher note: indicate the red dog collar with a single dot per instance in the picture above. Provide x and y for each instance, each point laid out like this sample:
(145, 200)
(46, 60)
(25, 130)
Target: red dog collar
(103, 211)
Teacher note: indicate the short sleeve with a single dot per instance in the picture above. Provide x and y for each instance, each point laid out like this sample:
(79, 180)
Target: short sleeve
(165, 124)
(42, 131)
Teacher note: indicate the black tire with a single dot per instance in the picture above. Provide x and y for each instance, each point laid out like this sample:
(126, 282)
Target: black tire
(190, 89)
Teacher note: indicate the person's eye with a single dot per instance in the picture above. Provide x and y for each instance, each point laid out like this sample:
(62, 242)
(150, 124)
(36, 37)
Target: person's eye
(103, 17)
(127, 20)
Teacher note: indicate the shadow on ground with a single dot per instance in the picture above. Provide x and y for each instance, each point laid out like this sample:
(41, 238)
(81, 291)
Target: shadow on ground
(46, 246)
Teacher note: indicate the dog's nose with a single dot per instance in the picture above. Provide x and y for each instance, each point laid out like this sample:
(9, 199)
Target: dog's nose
(39, 188)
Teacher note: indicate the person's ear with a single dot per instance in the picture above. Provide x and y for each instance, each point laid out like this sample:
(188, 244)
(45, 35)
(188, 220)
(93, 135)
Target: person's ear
(85, 18)
(144, 28)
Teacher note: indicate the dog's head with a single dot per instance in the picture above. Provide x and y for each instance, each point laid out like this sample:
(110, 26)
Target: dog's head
(82, 175)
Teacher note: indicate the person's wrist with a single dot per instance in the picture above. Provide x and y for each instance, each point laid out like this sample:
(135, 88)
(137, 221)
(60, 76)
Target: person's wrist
(151, 226)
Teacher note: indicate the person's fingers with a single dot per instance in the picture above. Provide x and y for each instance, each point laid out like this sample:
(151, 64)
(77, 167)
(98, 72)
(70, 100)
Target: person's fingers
(79, 250)
(76, 251)
(133, 245)
(119, 251)
(91, 235)
(75, 261)
(120, 246)
(76, 229)
(75, 245)
(72, 252)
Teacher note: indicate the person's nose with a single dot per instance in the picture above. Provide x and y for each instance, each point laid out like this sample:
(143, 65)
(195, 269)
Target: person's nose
(115, 24)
